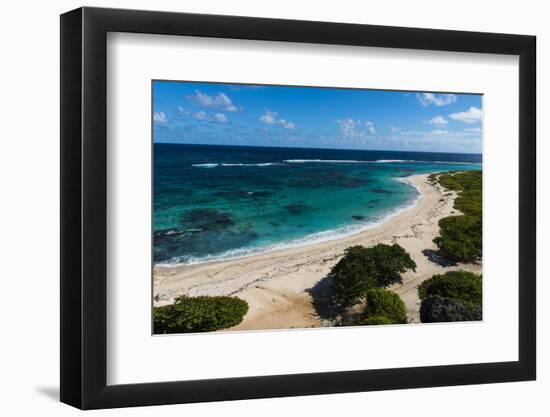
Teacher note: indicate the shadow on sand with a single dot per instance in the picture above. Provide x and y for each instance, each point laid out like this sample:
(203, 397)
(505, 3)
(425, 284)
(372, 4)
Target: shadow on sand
(436, 257)
(322, 295)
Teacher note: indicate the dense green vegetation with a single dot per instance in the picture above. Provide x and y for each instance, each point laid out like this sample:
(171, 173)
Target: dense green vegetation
(454, 296)
(457, 295)
(199, 314)
(375, 321)
(387, 304)
(440, 309)
(460, 238)
(362, 269)
(460, 285)
(383, 307)
(459, 180)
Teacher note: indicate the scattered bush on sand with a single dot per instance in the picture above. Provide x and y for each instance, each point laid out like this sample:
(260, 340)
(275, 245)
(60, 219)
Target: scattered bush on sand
(460, 285)
(381, 302)
(364, 268)
(383, 307)
(376, 320)
(460, 238)
(441, 309)
(199, 314)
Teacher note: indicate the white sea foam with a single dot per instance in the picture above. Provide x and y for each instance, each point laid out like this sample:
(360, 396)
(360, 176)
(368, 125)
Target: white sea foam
(213, 165)
(449, 162)
(314, 238)
(328, 161)
(325, 161)
(378, 161)
(260, 164)
(228, 164)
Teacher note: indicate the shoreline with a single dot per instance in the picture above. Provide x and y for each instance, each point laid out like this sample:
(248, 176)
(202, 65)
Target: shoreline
(283, 287)
(342, 232)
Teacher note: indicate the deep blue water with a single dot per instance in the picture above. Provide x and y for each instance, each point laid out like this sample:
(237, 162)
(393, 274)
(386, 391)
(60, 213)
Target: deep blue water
(215, 202)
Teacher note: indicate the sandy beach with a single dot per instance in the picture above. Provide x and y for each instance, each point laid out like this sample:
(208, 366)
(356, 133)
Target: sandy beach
(285, 288)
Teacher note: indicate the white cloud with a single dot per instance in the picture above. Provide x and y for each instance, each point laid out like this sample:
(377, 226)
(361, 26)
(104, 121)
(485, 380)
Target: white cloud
(355, 129)
(472, 115)
(160, 117)
(200, 115)
(269, 117)
(204, 117)
(436, 140)
(349, 128)
(436, 99)
(370, 127)
(181, 111)
(473, 129)
(287, 125)
(456, 134)
(395, 129)
(217, 101)
(272, 118)
(438, 121)
(220, 118)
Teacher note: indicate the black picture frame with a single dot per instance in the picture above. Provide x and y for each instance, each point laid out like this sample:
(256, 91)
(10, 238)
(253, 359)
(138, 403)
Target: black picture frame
(84, 207)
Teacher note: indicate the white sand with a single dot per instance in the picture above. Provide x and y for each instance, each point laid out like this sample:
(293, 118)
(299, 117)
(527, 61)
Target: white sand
(279, 285)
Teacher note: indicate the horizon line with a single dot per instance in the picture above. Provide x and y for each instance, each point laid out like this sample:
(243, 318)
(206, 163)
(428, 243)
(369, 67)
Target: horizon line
(303, 147)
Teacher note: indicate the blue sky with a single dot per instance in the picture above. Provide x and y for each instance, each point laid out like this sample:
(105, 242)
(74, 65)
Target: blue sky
(310, 117)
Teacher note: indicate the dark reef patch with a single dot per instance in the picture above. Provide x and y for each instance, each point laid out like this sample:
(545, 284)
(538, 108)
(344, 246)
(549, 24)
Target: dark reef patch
(330, 179)
(372, 203)
(297, 208)
(380, 190)
(239, 195)
(407, 170)
(186, 245)
(207, 219)
(358, 217)
(354, 182)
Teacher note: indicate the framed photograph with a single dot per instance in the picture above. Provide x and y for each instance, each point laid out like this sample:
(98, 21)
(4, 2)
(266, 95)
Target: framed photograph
(257, 208)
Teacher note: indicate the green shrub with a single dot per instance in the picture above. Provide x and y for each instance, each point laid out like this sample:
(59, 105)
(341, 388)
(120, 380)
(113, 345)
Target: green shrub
(383, 307)
(199, 314)
(364, 268)
(461, 180)
(460, 285)
(367, 321)
(381, 302)
(460, 238)
(377, 320)
(448, 181)
(434, 309)
(469, 202)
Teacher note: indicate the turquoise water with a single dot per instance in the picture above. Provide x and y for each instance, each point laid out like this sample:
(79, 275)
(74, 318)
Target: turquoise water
(217, 202)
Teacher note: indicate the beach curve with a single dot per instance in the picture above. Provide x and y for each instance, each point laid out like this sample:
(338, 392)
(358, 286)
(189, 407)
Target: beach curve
(278, 284)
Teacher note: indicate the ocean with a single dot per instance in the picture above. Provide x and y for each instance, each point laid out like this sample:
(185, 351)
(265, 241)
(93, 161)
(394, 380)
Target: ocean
(219, 202)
